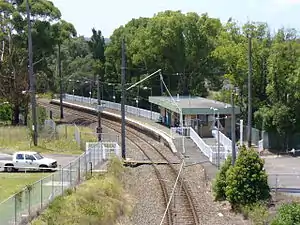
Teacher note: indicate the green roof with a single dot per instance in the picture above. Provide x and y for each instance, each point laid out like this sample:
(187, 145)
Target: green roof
(193, 105)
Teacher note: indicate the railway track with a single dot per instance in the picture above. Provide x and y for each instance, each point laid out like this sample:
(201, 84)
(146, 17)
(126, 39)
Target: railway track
(182, 210)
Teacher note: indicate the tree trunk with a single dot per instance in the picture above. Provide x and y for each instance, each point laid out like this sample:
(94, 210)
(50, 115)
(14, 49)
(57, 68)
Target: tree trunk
(15, 115)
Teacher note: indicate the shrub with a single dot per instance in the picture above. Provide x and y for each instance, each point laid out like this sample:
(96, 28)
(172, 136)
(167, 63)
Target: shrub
(247, 182)
(219, 184)
(258, 213)
(287, 214)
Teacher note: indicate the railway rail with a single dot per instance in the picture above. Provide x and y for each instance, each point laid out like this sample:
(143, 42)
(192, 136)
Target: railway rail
(182, 209)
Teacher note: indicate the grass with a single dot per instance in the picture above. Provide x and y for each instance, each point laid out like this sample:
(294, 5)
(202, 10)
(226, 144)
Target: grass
(100, 200)
(62, 141)
(14, 182)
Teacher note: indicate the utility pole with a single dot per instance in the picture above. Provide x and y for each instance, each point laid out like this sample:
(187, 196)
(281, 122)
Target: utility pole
(60, 84)
(233, 128)
(249, 133)
(123, 68)
(31, 78)
(99, 128)
(218, 129)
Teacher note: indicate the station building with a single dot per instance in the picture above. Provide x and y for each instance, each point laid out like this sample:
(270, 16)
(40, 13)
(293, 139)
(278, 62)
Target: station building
(197, 112)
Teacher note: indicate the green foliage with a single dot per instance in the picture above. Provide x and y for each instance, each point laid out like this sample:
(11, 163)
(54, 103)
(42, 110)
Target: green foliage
(258, 213)
(219, 184)
(288, 214)
(100, 200)
(41, 117)
(247, 182)
(5, 112)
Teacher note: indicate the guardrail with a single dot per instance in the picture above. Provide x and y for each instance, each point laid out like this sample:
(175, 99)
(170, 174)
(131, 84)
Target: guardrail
(19, 208)
(116, 106)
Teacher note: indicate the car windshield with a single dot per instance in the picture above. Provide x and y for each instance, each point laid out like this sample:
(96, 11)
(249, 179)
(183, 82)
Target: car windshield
(38, 156)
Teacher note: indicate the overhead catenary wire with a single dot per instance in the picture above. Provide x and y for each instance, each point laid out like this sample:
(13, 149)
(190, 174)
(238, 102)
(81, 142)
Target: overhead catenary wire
(173, 191)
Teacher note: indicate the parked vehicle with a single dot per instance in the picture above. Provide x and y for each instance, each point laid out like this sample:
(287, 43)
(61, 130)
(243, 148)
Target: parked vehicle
(25, 160)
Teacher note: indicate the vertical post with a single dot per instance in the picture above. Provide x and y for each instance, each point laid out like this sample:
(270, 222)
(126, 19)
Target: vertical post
(181, 124)
(249, 92)
(123, 100)
(15, 209)
(42, 194)
(99, 128)
(241, 132)
(31, 77)
(233, 127)
(60, 84)
(161, 85)
(218, 152)
(151, 104)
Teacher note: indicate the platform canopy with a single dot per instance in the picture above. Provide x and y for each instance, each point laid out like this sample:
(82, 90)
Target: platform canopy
(193, 105)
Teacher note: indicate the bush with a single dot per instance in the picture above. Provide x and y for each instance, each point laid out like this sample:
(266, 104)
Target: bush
(288, 214)
(258, 213)
(247, 182)
(5, 112)
(219, 184)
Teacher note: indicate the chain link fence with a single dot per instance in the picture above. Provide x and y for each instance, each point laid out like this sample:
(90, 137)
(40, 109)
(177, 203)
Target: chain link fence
(26, 204)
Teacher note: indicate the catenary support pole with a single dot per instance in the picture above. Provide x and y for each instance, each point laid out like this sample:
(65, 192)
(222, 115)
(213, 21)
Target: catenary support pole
(123, 68)
(233, 127)
(32, 78)
(60, 84)
(218, 153)
(249, 133)
(99, 128)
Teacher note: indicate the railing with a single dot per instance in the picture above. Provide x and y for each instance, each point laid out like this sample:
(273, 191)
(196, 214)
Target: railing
(116, 106)
(206, 149)
(225, 141)
(284, 182)
(34, 198)
(179, 130)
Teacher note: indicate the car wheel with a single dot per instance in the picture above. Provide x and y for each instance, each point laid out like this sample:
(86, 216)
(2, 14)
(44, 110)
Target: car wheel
(9, 169)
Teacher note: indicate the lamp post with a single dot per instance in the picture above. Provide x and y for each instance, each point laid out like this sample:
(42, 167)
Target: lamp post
(31, 77)
(99, 128)
(218, 134)
(149, 88)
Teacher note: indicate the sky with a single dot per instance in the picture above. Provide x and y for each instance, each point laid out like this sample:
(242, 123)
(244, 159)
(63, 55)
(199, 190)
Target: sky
(107, 15)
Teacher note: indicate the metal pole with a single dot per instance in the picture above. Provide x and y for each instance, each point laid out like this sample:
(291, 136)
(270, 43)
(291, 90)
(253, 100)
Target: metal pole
(249, 92)
(60, 84)
(32, 78)
(218, 153)
(99, 128)
(151, 103)
(181, 124)
(123, 68)
(233, 128)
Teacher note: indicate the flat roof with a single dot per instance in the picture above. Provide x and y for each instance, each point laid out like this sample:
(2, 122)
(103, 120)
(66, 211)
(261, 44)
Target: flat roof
(192, 105)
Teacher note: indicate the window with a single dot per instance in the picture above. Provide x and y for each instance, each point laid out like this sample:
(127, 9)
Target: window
(203, 119)
(38, 156)
(20, 157)
(29, 157)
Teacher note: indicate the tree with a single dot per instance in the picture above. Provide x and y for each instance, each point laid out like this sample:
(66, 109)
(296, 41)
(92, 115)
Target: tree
(97, 48)
(219, 184)
(247, 181)
(13, 71)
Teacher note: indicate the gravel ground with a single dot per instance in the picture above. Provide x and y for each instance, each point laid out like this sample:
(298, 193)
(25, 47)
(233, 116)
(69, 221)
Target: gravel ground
(210, 212)
(148, 203)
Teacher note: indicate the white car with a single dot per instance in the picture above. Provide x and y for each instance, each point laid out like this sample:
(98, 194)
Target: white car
(26, 160)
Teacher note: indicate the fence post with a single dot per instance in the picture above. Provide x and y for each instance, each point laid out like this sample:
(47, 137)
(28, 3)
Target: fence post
(52, 179)
(29, 202)
(42, 194)
(62, 180)
(276, 185)
(70, 174)
(15, 209)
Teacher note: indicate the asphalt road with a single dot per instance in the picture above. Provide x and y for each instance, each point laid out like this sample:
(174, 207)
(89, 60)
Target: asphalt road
(284, 172)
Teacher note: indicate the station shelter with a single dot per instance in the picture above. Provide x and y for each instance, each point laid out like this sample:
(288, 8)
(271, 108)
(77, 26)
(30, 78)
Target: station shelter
(197, 112)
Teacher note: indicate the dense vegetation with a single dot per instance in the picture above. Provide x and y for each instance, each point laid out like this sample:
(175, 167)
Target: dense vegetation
(196, 53)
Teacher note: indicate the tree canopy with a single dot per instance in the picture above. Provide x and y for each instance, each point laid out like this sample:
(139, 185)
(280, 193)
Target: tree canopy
(197, 55)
